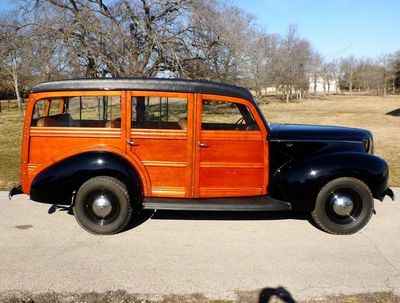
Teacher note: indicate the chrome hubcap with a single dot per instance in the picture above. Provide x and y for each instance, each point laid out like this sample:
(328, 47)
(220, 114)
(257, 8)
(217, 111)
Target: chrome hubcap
(102, 206)
(342, 204)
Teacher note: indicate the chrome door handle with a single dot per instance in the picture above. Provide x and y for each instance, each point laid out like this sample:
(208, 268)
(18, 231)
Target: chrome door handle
(202, 145)
(131, 143)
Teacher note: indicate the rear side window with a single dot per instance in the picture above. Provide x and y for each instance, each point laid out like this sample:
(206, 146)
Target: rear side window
(159, 112)
(95, 111)
(80, 111)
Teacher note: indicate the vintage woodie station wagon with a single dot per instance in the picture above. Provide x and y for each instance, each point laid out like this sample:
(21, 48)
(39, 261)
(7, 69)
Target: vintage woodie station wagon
(112, 147)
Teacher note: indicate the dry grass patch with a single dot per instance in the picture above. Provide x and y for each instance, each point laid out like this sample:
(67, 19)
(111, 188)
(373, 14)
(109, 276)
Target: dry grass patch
(367, 112)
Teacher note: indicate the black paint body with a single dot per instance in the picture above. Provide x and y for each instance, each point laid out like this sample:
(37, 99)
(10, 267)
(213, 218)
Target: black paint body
(303, 158)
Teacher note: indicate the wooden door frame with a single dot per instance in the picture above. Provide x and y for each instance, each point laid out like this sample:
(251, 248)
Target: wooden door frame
(198, 133)
(189, 134)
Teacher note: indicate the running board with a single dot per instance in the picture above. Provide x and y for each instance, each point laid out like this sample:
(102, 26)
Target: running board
(259, 203)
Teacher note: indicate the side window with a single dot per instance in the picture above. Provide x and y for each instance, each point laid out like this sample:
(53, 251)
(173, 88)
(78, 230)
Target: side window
(56, 107)
(40, 109)
(159, 112)
(82, 111)
(219, 115)
(95, 111)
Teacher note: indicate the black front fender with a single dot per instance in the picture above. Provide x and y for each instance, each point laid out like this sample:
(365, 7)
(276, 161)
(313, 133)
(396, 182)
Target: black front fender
(57, 183)
(299, 182)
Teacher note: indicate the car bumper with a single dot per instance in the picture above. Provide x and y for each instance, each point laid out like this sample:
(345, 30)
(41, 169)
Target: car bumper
(389, 192)
(17, 190)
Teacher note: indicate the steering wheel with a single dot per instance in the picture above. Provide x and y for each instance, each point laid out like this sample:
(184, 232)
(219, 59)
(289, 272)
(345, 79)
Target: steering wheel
(239, 122)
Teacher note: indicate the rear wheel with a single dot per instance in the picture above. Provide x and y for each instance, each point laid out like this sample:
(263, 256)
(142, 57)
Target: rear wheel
(343, 206)
(102, 205)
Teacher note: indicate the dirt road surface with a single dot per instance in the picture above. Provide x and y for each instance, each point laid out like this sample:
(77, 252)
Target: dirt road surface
(210, 253)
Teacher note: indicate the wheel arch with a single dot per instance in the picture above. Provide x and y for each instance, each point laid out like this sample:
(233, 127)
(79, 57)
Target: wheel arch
(300, 181)
(58, 182)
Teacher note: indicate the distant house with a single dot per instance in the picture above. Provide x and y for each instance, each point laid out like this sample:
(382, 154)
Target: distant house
(270, 90)
(321, 86)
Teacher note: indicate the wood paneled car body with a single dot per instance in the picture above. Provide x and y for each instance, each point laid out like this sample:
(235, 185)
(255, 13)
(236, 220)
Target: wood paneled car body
(110, 147)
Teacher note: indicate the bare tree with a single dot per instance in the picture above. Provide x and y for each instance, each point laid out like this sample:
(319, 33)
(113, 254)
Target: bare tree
(327, 75)
(290, 67)
(222, 35)
(315, 66)
(386, 74)
(347, 67)
(262, 56)
(395, 67)
(119, 38)
(13, 46)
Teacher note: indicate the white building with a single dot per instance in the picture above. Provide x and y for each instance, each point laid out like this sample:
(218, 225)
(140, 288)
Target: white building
(320, 86)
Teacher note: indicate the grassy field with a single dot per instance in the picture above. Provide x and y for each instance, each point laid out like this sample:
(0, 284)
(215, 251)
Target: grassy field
(356, 111)
(10, 145)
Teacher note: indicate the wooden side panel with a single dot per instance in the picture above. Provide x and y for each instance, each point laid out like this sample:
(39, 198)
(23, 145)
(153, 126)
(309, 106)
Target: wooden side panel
(50, 145)
(47, 144)
(166, 154)
(230, 163)
(165, 157)
(43, 146)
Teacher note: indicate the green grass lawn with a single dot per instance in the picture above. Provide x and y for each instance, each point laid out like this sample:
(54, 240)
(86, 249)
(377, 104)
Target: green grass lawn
(11, 124)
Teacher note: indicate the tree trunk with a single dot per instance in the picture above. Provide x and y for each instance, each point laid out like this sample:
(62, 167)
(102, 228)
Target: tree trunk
(287, 94)
(384, 87)
(315, 86)
(16, 85)
(336, 86)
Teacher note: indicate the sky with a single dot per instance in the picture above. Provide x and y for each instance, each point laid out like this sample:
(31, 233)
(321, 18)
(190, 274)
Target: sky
(336, 28)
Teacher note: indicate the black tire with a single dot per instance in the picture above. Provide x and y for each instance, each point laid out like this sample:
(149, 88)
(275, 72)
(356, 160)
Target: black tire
(332, 216)
(102, 205)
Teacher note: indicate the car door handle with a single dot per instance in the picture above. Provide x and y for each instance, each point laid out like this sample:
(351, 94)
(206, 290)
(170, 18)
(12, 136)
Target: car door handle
(131, 143)
(202, 145)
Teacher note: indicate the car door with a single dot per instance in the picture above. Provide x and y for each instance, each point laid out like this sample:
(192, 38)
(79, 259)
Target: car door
(160, 136)
(231, 150)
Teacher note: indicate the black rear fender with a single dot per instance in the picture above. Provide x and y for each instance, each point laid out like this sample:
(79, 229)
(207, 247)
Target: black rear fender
(57, 183)
(299, 182)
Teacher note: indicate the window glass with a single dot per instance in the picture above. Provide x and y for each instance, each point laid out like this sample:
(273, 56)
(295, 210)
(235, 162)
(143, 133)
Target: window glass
(219, 115)
(85, 111)
(55, 106)
(159, 112)
(40, 109)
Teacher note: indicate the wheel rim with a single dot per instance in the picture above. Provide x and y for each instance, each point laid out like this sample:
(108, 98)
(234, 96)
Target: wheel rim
(102, 207)
(343, 206)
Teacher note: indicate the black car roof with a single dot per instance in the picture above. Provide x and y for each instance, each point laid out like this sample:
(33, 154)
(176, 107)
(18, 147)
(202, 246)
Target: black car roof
(156, 84)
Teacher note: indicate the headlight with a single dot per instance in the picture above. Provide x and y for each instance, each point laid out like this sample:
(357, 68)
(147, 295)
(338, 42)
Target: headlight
(369, 145)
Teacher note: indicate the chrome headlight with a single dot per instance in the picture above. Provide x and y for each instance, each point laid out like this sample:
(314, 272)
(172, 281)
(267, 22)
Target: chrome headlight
(369, 145)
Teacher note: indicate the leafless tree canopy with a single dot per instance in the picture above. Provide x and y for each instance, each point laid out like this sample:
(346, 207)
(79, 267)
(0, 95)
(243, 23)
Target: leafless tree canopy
(197, 39)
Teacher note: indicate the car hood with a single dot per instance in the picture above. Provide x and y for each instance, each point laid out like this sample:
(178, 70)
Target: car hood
(301, 132)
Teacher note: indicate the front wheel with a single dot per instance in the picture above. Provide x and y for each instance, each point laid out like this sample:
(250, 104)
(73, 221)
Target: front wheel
(102, 205)
(343, 206)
